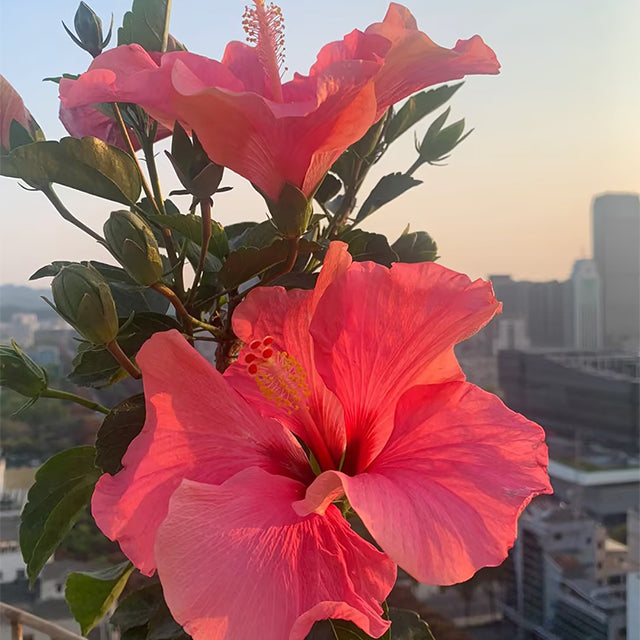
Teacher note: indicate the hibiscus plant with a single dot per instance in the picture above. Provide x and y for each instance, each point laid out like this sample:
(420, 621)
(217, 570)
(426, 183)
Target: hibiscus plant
(272, 490)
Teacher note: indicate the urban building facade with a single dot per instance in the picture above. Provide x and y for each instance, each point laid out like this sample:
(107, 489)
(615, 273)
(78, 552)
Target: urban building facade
(586, 306)
(560, 584)
(616, 252)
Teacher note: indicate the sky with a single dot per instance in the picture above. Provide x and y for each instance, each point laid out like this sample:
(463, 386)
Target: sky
(556, 127)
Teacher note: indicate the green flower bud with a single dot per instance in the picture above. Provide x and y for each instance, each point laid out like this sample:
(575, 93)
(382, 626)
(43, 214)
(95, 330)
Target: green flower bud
(291, 212)
(132, 242)
(198, 174)
(83, 298)
(89, 30)
(20, 373)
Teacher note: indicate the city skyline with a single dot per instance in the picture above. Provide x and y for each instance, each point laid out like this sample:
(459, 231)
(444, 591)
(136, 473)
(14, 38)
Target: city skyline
(552, 131)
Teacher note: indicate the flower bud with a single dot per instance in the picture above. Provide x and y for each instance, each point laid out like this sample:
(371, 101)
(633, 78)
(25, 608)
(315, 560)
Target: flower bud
(198, 174)
(291, 212)
(83, 298)
(89, 30)
(132, 242)
(20, 373)
(438, 143)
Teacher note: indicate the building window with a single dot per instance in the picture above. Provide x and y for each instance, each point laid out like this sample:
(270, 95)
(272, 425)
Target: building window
(59, 587)
(557, 536)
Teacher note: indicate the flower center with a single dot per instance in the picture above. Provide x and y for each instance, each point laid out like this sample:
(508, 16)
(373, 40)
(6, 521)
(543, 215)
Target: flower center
(280, 378)
(264, 26)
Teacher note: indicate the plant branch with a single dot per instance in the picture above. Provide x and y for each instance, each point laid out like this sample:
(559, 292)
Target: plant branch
(205, 210)
(67, 215)
(72, 397)
(132, 152)
(188, 319)
(116, 351)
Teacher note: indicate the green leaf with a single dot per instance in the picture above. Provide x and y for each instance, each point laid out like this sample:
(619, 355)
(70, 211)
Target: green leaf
(408, 625)
(137, 609)
(128, 295)
(248, 262)
(145, 609)
(147, 24)
(328, 189)
(63, 488)
(364, 245)
(95, 367)
(418, 246)
(338, 630)
(251, 234)
(118, 429)
(90, 595)
(190, 227)
(388, 188)
(86, 164)
(416, 108)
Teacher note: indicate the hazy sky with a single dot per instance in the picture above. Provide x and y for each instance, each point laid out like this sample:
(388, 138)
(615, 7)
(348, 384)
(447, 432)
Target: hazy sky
(558, 125)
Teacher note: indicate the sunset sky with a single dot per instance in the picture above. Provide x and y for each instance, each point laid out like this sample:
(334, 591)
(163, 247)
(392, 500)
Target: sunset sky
(557, 126)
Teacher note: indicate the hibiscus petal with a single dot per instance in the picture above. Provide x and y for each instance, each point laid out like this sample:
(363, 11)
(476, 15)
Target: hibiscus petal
(457, 472)
(410, 60)
(397, 329)
(414, 61)
(272, 143)
(285, 316)
(197, 427)
(235, 561)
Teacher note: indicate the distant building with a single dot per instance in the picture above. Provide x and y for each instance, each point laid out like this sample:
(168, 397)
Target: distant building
(540, 312)
(561, 584)
(587, 306)
(21, 328)
(591, 396)
(616, 251)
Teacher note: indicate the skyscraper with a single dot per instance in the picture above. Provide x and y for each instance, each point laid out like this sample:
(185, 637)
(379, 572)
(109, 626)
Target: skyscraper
(616, 251)
(587, 306)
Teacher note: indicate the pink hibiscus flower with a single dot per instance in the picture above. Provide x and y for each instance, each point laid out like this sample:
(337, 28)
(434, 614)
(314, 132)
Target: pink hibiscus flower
(12, 108)
(238, 517)
(275, 133)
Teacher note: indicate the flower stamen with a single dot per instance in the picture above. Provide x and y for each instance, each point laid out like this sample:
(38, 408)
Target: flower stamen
(264, 26)
(280, 377)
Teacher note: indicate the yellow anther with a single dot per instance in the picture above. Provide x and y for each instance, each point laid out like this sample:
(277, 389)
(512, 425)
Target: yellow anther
(280, 377)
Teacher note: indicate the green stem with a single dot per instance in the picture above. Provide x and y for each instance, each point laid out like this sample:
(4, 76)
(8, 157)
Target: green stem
(123, 360)
(146, 142)
(67, 215)
(205, 209)
(132, 152)
(65, 395)
(188, 319)
(411, 170)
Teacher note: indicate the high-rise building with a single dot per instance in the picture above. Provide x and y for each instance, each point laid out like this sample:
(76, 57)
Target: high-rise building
(566, 579)
(616, 251)
(543, 306)
(587, 306)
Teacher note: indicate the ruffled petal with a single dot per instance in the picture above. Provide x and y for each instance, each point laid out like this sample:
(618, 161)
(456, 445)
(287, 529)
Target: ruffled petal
(236, 561)
(414, 61)
(410, 60)
(272, 143)
(380, 331)
(285, 316)
(457, 472)
(197, 427)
